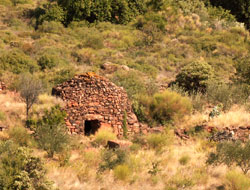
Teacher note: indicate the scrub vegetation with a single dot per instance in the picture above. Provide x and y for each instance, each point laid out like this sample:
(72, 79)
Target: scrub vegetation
(183, 63)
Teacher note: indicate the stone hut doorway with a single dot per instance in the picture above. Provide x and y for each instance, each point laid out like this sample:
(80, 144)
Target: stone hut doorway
(91, 127)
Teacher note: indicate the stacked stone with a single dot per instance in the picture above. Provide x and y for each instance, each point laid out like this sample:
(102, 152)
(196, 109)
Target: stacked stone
(2, 86)
(228, 133)
(91, 97)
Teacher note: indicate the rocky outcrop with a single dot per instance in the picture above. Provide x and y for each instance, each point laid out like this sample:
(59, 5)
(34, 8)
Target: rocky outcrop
(2, 86)
(217, 133)
(92, 102)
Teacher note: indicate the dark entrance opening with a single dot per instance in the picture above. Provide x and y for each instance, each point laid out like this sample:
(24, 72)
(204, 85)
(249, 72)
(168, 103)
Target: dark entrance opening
(91, 127)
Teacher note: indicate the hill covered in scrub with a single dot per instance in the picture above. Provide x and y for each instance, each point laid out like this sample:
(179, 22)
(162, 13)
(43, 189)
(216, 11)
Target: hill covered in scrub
(185, 66)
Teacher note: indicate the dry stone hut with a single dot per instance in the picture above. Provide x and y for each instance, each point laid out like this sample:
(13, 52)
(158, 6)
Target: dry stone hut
(92, 102)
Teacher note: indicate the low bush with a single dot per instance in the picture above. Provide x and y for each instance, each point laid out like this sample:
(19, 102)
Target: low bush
(51, 12)
(198, 101)
(122, 172)
(227, 94)
(194, 77)
(163, 108)
(237, 181)
(5, 2)
(93, 41)
(17, 62)
(157, 141)
(153, 27)
(230, 153)
(178, 181)
(135, 147)
(112, 158)
(155, 168)
(16, 2)
(103, 136)
(62, 75)
(51, 27)
(20, 136)
(46, 62)
(133, 84)
(2, 116)
(20, 170)
(64, 157)
(184, 160)
(243, 70)
(51, 132)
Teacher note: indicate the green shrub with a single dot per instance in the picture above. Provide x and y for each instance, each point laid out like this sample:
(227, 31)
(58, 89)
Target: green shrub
(227, 94)
(124, 125)
(17, 62)
(133, 84)
(164, 107)
(179, 180)
(116, 11)
(237, 7)
(220, 14)
(157, 141)
(103, 136)
(46, 62)
(94, 41)
(230, 153)
(155, 168)
(16, 2)
(243, 70)
(2, 116)
(195, 76)
(122, 172)
(63, 75)
(153, 27)
(64, 157)
(198, 101)
(20, 136)
(5, 2)
(140, 108)
(20, 170)
(51, 27)
(135, 147)
(51, 132)
(112, 158)
(184, 160)
(237, 181)
(220, 93)
(52, 12)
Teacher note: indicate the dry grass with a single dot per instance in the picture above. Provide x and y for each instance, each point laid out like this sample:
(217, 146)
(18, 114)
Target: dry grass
(81, 173)
(12, 108)
(236, 117)
(193, 120)
(45, 102)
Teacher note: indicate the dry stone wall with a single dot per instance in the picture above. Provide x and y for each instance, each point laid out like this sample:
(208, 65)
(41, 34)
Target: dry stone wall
(91, 97)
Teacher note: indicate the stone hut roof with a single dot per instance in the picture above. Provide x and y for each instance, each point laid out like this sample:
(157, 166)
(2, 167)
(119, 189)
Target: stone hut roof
(93, 101)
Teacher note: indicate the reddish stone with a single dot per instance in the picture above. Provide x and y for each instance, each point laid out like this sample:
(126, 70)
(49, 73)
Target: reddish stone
(92, 97)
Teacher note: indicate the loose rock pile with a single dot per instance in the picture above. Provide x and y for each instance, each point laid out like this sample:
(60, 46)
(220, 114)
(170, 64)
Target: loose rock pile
(233, 133)
(217, 134)
(2, 86)
(90, 97)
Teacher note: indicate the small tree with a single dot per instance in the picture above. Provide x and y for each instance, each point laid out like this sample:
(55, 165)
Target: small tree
(30, 87)
(195, 76)
(51, 131)
(232, 153)
(20, 170)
